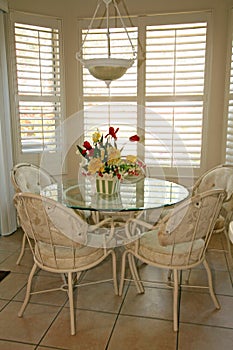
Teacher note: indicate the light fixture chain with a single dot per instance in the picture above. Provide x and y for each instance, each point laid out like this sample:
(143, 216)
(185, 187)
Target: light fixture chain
(124, 26)
(106, 68)
(108, 31)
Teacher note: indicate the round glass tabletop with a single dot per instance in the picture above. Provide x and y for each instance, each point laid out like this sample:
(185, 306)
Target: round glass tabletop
(148, 193)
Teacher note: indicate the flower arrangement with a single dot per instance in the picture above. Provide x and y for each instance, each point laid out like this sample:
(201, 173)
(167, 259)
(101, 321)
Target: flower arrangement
(105, 159)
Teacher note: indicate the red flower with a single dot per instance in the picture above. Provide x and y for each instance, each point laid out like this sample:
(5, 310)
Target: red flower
(87, 145)
(112, 132)
(134, 138)
(84, 152)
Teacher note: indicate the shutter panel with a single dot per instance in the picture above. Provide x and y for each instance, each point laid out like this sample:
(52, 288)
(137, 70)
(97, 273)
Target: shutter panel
(229, 136)
(175, 72)
(38, 87)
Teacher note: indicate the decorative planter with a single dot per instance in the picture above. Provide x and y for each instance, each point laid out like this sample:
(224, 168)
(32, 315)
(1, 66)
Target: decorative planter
(107, 186)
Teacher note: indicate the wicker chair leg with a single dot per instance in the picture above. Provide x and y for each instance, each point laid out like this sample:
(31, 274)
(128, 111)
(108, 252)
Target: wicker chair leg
(175, 301)
(71, 303)
(28, 290)
(22, 249)
(114, 274)
(135, 274)
(230, 258)
(210, 282)
(122, 279)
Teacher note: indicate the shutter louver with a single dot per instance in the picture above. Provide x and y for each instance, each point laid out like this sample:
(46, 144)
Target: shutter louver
(229, 137)
(175, 72)
(38, 87)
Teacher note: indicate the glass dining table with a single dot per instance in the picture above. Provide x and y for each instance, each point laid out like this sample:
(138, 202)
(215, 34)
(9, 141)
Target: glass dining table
(147, 198)
(148, 193)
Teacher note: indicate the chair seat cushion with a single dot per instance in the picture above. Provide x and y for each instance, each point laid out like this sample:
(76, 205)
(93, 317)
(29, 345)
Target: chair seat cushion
(30, 179)
(67, 257)
(151, 250)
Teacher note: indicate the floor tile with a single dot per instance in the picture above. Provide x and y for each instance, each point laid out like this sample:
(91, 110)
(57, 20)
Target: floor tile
(7, 345)
(31, 327)
(49, 348)
(155, 302)
(12, 242)
(3, 303)
(93, 330)
(151, 273)
(221, 280)
(216, 242)
(217, 261)
(194, 337)
(198, 308)
(4, 254)
(25, 264)
(140, 333)
(98, 297)
(57, 297)
(102, 271)
(12, 284)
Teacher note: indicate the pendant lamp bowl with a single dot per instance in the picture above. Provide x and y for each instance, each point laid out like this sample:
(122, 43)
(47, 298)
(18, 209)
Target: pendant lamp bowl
(107, 69)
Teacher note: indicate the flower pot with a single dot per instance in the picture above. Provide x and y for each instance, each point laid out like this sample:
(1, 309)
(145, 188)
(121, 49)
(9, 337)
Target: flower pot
(107, 186)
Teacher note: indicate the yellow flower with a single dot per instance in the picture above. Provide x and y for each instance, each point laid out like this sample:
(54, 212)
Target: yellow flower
(96, 136)
(95, 165)
(131, 158)
(114, 156)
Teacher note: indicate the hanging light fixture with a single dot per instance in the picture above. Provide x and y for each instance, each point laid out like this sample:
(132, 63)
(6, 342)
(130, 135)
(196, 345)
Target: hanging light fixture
(108, 68)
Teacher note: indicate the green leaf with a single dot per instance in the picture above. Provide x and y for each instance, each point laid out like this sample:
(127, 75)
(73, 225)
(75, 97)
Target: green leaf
(81, 150)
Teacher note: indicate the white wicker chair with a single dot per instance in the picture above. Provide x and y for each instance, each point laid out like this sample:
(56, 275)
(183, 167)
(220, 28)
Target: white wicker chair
(178, 242)
(27, 177)
(63, 243)
(220, 177)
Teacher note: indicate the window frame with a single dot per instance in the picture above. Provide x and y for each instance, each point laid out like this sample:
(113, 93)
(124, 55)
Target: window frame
(40, 21)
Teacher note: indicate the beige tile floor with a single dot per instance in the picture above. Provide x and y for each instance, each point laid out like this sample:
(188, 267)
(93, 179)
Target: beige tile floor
(105, 321)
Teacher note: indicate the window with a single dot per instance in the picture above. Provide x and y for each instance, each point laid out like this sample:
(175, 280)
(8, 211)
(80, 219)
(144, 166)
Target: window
(175, 72)
(38, 85)
(166, 88)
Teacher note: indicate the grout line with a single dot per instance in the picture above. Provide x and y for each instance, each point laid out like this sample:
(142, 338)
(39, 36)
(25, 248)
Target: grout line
(206, 325)
(46, 331)
(118, 314)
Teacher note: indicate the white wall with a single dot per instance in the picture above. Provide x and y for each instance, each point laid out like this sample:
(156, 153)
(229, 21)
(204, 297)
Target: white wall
(71, 10)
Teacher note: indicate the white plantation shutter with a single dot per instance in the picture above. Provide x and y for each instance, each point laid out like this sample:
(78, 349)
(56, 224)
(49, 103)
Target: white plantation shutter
(229, 131)
(38, 85)
(174, 137)
(175, 82)
(229, 143)
(169, 80)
